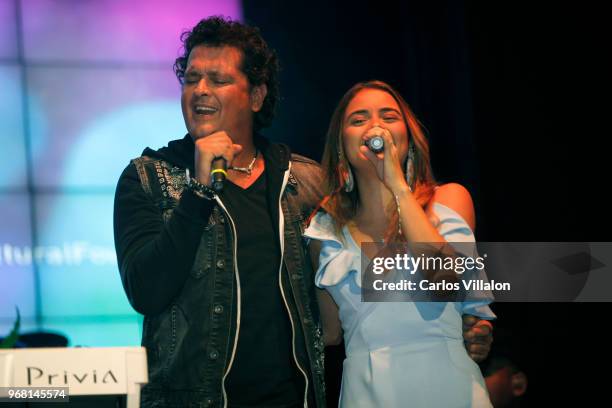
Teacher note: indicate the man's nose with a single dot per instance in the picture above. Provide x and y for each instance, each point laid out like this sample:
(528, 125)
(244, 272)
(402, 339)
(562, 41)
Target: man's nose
(202, 88)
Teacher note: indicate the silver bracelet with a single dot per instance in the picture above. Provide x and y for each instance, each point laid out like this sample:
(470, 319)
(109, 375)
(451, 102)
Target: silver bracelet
(199, 189)
(399, 216)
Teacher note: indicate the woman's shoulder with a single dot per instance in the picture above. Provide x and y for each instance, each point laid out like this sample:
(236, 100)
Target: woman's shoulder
(321, 227)
(334, 259)
(455, 197)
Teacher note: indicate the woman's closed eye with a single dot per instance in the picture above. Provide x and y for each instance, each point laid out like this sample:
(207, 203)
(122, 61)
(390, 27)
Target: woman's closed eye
(391, 118)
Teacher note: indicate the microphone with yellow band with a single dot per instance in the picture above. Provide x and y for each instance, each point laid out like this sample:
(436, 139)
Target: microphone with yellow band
(218, 173)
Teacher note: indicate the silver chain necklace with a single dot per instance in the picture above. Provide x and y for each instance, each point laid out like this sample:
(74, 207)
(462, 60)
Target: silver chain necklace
(248, 170)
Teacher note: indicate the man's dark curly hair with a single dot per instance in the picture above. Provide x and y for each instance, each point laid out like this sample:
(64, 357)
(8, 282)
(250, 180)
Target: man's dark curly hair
(259, 62)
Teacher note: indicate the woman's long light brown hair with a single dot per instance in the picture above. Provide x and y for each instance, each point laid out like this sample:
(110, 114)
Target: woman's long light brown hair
(342, 205)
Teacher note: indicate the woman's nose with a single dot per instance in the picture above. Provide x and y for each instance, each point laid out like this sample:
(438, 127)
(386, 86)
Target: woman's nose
(376, 123)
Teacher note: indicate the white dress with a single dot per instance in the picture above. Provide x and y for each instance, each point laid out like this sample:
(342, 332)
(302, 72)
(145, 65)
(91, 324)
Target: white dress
(399, 354)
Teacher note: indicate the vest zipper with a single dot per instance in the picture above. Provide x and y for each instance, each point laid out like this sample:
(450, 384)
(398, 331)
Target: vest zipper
(238, 300)
(281, 230)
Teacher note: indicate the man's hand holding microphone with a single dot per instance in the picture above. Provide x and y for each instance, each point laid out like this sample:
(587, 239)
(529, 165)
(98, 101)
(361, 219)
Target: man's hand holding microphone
(213, 154)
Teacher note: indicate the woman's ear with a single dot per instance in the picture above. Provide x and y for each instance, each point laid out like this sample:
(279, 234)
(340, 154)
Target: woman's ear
(258, 95)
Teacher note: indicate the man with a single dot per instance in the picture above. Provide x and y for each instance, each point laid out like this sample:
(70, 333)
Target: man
(222, 278)
(506, 381)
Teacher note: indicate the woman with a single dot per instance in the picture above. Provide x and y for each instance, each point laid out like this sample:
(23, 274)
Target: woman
(398, 354)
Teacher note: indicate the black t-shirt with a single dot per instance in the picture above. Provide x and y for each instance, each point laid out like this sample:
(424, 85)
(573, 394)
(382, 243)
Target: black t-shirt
(263, 372)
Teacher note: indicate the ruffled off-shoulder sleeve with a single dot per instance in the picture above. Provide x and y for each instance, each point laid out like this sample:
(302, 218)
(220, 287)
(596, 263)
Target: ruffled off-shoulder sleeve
(336, 261)
(455, 229)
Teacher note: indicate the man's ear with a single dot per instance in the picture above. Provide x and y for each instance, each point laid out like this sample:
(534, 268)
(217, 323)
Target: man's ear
(258, 95)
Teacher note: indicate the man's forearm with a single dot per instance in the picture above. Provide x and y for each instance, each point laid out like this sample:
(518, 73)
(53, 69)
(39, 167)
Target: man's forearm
(155, 258)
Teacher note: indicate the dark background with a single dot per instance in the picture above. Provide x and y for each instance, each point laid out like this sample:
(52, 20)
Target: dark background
(514, 101)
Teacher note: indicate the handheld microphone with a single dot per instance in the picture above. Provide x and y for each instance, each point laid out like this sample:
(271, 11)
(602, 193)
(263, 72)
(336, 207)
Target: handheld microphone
(376, 144)
(218, 173)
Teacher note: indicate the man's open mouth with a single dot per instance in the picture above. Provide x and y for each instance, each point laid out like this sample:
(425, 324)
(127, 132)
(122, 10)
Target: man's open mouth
(204, 110)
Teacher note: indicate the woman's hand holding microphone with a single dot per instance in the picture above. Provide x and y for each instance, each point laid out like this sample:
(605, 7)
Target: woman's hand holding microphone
(385, 158)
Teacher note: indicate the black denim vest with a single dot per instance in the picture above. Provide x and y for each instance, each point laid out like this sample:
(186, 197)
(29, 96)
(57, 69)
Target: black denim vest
(191, 344)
